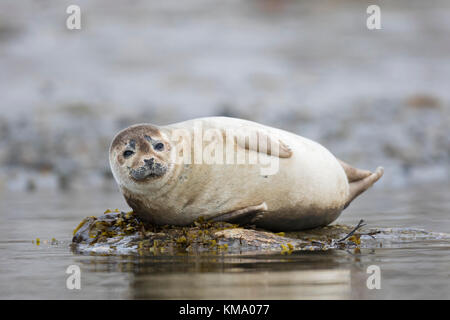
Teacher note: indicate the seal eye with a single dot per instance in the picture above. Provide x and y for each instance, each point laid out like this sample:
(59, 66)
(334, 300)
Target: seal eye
(159, 146)
(127, 153)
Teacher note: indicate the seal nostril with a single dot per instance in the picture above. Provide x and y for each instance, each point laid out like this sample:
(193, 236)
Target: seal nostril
(149, 161)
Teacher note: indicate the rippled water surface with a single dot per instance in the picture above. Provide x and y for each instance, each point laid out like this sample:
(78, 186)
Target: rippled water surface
(419, 270)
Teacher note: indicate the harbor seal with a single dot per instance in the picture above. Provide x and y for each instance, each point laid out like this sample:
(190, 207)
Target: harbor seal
(166, 176)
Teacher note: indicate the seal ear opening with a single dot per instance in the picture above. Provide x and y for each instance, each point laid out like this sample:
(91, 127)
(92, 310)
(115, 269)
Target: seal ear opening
(359, 186)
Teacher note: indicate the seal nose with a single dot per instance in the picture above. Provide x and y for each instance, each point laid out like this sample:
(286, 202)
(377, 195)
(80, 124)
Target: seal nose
(149, 162)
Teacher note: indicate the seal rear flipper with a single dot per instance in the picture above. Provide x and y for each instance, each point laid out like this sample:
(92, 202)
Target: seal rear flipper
(249, 214)
(352, 173)
(359, 186)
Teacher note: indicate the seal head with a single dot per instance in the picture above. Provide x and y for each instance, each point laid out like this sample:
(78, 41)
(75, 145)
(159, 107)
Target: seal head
(139, 156)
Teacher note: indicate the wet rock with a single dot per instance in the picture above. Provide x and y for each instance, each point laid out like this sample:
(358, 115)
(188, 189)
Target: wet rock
(119, 233)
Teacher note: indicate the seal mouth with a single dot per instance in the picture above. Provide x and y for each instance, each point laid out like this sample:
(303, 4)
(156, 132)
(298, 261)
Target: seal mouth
(150, 169)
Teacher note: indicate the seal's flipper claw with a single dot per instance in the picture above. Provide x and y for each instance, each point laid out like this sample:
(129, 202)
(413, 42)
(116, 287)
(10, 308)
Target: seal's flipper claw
(285, 150)
(359, 186)
(252, 213)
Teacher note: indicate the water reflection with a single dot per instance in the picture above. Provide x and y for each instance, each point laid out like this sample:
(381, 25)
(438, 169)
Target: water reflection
(420, 269)
(298, 276)
(323, 284)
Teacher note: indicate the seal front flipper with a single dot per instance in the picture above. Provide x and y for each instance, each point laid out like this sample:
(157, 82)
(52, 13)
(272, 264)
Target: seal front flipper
(249, 214)
(260, 141)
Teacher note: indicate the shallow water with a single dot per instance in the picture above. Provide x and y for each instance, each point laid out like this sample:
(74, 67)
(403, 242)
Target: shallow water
(418, 270)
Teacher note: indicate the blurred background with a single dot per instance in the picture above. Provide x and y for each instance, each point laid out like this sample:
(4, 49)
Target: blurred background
(372, 97)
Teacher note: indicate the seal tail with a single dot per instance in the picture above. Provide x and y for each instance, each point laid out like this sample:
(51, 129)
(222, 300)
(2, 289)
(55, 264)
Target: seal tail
(360, 181)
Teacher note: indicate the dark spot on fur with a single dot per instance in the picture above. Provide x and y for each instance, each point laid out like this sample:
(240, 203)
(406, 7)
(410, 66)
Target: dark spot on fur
(144, 147)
